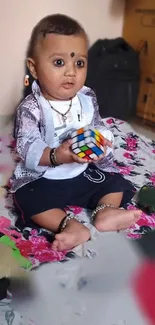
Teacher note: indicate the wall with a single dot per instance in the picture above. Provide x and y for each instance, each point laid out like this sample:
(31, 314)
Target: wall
(101, 18)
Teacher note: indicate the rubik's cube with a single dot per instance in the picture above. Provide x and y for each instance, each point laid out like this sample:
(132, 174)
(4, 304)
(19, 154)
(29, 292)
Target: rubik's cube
(87, 143)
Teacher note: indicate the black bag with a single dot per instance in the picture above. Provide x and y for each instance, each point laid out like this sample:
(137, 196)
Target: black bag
(114, 73)
(146, 199)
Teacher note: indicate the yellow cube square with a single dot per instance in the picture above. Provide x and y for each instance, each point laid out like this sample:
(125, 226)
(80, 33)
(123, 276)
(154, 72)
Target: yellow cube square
(81, 154)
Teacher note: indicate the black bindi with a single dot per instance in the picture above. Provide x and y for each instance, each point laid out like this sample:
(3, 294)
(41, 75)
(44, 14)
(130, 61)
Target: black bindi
(72, 55)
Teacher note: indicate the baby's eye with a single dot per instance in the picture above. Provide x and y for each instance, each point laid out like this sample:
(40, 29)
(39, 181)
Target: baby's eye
(80, 63)
(59, 63)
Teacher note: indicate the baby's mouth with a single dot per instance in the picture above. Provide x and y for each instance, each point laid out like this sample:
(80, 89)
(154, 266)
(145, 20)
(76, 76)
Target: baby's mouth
(68, 85)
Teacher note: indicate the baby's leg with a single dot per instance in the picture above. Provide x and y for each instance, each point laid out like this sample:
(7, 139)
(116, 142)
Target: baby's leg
(73, 235)
(112, 219)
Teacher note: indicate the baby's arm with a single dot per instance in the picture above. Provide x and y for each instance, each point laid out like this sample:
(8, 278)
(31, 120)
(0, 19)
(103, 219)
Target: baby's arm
(97, 121)
(31, 148)
(29, 144)
(98, 124)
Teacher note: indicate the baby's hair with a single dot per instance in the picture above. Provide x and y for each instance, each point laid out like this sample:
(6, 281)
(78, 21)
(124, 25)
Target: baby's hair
(56, 24)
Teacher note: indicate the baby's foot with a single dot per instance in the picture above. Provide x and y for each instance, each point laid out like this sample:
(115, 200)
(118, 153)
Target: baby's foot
(116, 219)
(73, 235)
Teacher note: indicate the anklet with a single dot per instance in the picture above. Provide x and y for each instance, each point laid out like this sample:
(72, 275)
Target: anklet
(99, 208)
(63, 223)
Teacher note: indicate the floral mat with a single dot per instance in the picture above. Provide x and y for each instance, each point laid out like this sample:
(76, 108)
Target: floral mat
(135, 158)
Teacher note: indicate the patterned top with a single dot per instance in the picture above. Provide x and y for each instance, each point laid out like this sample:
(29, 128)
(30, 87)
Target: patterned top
(33, 132)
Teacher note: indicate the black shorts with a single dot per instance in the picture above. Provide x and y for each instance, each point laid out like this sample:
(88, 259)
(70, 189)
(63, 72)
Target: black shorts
(84, 191)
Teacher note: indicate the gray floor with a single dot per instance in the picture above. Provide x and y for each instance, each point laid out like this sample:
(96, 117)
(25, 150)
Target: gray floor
(80, 292)
(143, 129)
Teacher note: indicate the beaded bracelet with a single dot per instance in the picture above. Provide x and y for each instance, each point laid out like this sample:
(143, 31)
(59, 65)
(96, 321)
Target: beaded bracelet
(53, 159)
(63, 223)
(99, 208)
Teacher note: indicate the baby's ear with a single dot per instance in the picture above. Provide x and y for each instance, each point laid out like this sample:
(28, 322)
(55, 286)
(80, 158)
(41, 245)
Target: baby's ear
(31, 66)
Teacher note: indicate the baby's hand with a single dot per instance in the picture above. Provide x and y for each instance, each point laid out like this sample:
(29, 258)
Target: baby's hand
(64, 154)
(107, 143)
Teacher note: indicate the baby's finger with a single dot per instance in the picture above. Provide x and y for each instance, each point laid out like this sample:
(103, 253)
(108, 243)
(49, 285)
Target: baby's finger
(108, 143)
(100, 157)
(69, 142)
(79, 160)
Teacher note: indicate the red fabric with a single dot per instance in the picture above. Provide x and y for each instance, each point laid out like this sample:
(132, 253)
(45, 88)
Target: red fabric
(144, 288)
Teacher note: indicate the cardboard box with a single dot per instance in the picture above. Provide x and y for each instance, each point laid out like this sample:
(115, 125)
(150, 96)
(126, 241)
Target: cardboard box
(146, 100)
(139, 22)
(139, 31)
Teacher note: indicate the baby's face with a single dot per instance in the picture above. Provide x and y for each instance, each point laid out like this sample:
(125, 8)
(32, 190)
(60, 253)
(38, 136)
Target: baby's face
(61, 65)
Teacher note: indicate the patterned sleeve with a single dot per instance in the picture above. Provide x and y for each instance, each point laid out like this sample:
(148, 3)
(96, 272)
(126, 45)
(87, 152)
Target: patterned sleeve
(29, 144)
(107, 162)
(97, 120)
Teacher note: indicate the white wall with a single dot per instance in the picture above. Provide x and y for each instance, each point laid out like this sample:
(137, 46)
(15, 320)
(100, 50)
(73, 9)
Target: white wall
(100, 18)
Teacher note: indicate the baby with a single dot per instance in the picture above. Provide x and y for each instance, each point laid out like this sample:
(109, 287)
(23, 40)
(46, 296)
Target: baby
(49, 176)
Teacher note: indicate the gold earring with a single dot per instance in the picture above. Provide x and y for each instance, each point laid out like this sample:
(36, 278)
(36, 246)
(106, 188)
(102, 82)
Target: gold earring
(26, 80)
